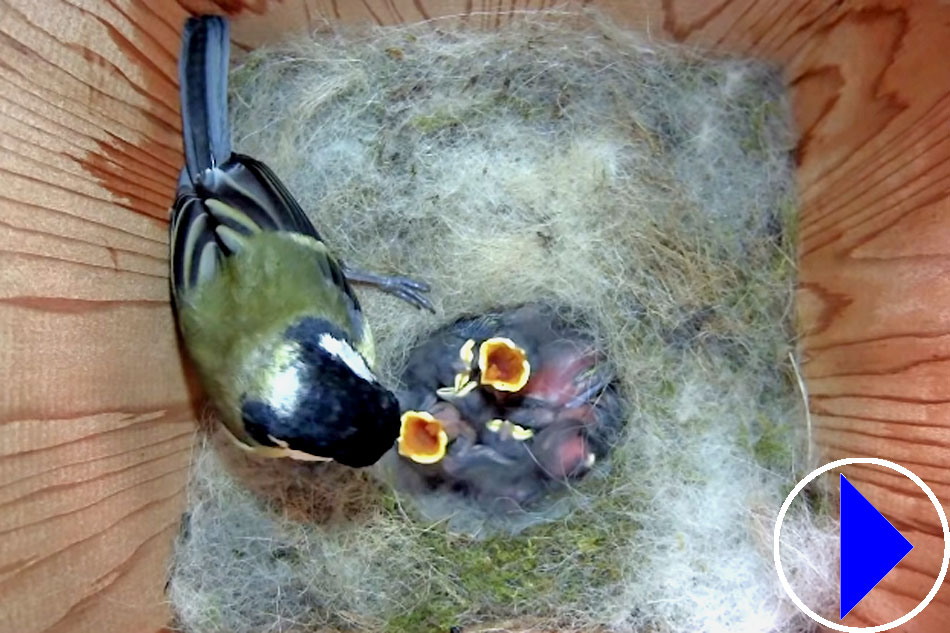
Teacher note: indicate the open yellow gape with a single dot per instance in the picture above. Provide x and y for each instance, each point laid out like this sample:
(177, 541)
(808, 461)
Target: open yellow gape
(422, 437)
(99, 414)
(503, 365)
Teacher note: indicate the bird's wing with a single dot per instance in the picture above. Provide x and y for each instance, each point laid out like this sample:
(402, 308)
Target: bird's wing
(226, 198)
(195, 253)
(229, 205)
(287, 214)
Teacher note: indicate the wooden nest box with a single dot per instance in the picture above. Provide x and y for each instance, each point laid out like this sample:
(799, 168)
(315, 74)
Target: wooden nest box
(97, 417)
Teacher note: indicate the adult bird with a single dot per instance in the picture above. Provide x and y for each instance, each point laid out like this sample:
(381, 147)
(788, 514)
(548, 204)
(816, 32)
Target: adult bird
(266, 312)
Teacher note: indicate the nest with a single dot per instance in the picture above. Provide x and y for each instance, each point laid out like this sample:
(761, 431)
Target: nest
(647, 191)
(502, 410)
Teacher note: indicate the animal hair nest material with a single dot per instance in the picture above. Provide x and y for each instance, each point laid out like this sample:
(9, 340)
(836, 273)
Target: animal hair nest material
(556, 159)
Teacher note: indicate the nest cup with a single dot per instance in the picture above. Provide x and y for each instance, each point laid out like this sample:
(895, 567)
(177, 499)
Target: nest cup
(503, 409)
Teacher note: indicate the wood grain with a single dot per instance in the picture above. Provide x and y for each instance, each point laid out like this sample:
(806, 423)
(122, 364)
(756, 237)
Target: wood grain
(97, 416)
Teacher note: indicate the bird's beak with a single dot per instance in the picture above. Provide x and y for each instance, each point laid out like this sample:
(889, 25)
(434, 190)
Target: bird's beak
(509, 429)
(464, 384)
(503, 365)
(422, 437)
(467, 352)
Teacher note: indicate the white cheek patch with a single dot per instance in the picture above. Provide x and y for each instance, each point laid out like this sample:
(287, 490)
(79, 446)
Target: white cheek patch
(345, 352)
(285, 390)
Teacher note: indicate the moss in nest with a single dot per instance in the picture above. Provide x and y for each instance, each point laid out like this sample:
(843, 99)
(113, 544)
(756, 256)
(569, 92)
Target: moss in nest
(558, 159)
(769, 444)
(501, 576)
(428, 123)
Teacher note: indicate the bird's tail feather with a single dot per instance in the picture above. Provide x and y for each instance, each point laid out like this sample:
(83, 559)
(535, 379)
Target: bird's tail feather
(203, 79)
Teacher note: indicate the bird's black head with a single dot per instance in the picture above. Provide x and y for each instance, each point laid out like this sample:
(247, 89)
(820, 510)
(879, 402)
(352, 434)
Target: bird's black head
(324, 400)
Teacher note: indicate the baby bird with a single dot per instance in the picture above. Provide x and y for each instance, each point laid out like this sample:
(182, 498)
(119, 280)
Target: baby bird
(266, 312)
(556, 414)
(424, 435)
(568, 377)
(562, 450)
(571, 396)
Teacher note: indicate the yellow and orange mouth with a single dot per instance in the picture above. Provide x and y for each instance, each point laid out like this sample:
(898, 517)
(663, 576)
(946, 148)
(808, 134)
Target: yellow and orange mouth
(503, 365)
(422, 437)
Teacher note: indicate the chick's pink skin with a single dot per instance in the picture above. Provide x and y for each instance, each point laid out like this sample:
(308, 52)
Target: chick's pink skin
(554, 376)
(570, 457)
(561, 450)
(452, 421)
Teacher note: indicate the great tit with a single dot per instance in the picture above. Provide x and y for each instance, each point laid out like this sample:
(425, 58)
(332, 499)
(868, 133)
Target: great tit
(471, 355)
(525, 355)
(562, 450)
(265, 310)
(569, 377)
(508, 446)
(424, 435)
(571, 396)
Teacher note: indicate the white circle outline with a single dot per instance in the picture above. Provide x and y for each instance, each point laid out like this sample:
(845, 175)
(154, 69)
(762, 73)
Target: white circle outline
(838, 464)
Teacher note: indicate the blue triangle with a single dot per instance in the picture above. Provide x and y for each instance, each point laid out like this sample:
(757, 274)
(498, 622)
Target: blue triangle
(870, 547)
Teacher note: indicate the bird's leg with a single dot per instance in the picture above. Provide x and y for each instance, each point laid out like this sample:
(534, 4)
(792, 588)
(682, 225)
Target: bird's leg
(409, 290)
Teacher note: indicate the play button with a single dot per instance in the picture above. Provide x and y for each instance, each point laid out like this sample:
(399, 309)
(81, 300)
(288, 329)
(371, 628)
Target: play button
(870, 547)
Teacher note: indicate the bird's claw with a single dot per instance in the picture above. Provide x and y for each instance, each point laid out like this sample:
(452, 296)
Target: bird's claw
(408, 282)
(409, 290)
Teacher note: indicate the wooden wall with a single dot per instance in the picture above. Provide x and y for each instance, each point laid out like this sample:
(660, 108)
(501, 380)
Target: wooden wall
(96, 416)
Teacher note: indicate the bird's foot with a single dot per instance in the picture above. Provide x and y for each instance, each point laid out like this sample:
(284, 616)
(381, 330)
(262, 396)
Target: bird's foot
(409, 290)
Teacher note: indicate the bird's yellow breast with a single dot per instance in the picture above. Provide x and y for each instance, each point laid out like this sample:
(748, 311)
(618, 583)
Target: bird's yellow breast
(233, 325)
